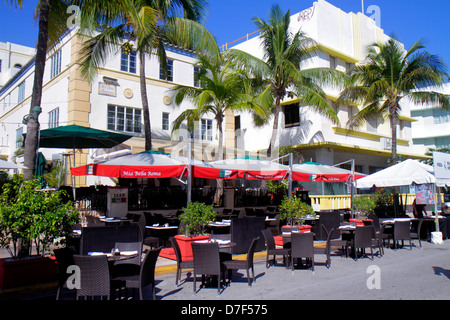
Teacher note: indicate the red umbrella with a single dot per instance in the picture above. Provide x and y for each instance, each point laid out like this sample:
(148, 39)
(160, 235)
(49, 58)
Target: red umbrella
(148, 164)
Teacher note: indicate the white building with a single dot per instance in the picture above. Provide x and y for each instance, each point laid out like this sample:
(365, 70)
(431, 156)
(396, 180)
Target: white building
(12, 58)
(112, 101)
(342, 38)
(432, 126)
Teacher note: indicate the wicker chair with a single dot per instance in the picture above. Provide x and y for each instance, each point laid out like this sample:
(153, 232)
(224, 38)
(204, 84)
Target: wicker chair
(152, 242)
(187, 264)
(94, 277)
(416, 234)
(327, 248)
(246, 264)
(363, 238)
(207, 262)
(131, 266)
(272, 250)
(146, 275)
(64, 259)
(302, 246)
(402, 232)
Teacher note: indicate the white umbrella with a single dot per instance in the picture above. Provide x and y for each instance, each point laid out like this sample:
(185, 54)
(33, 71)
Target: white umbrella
(8, 165)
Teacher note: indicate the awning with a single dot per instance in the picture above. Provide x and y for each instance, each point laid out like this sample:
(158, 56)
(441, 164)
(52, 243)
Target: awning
(246, 167)
(316, 172)
(148, 164)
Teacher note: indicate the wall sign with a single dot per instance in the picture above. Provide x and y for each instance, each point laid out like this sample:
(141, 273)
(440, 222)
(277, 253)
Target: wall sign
(106, 89)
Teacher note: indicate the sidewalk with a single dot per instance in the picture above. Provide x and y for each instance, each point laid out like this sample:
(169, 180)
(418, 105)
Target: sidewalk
(402, 274)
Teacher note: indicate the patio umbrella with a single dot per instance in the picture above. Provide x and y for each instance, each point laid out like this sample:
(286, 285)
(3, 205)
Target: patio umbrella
(246, 167)
(79, 137)
(8, 165)
(316, 172)
(147, 164)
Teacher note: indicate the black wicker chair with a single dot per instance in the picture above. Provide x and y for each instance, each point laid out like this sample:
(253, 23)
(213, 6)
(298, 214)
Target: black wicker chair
(302, 246)
(187, 264)
(363, 239)
(131, 266)
(152, 242)
(64, 259)
(146, 275)
(94, 277)
(402, 232)
(207, 262)
(320, 249)
(272, 250)
(246, 264)
(416, 233)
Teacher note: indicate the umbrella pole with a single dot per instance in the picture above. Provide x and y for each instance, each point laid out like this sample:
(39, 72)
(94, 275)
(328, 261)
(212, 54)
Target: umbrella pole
(189, 178)
(74, 188)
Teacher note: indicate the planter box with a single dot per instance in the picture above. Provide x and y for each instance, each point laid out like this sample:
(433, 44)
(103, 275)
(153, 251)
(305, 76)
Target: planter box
(26, 271)
(185, 247)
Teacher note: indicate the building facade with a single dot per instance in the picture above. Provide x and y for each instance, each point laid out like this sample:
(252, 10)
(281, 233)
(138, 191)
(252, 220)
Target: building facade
(342, 40)
(432, 127)
(111, 101)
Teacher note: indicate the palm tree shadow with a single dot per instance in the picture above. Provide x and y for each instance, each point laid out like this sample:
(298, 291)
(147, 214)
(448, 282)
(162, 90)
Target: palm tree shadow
(441, 271)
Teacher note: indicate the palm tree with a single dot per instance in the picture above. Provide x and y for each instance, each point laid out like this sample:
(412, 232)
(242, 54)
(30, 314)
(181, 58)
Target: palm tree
(150, 25)
(388, 76)
(221, 87)
(281, 72)
(52, 21)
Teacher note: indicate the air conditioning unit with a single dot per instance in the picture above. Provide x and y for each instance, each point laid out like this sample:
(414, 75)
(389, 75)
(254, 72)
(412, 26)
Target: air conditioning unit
(386, 143)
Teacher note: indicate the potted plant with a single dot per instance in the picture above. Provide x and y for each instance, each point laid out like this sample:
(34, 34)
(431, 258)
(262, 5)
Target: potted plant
(362, 206)
(30, 215)
(294, 211)
(194, 220)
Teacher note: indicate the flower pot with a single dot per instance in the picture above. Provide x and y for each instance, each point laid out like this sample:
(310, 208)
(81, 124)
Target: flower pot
(184, 243)
(26, 271)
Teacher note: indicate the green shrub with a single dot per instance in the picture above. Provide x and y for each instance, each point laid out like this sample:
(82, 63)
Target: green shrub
(195, 218)
(294, 210)
(363, 206)
(31, 215)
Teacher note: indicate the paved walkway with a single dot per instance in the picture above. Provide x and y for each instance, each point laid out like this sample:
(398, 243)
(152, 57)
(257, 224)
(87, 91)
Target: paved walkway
(402, 274)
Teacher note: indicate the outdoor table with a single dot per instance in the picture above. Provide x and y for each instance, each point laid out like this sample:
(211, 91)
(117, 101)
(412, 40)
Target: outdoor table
(164, 232)
(115, 221)
(116, 256)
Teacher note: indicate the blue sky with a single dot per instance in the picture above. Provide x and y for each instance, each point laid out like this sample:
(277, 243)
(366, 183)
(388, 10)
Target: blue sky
(231, 19)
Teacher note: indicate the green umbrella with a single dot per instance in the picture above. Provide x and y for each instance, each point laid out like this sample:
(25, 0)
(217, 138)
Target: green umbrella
(79, 137)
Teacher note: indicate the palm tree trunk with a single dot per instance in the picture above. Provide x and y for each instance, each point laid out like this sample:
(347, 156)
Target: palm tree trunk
(219, 156)
(32, 138)
(394, 135)
(145, 108)
(273, 138)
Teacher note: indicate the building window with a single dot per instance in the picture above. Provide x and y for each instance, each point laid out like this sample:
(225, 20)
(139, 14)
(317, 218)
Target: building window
(441, 115)
(162, 74)
(206, 129)
(19, 138)
(128, 62)
(124, 119)
(332, 62)
(55, 67)
(165, 121)
(442, 142)
(53, 118)
(292, 115)
(21, 93)
(196, 79)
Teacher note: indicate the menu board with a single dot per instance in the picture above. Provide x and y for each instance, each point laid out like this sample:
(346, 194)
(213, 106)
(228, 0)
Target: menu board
(117, 201)
(424, 193)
